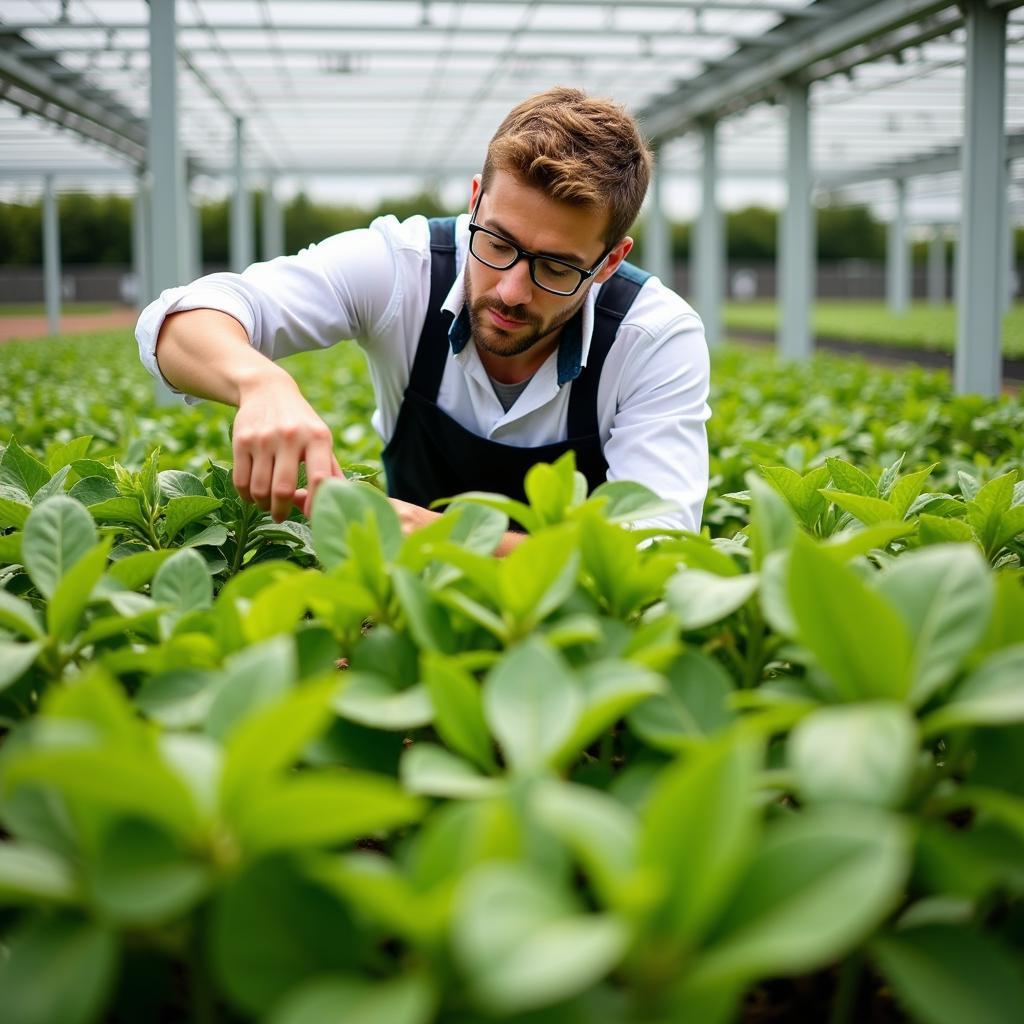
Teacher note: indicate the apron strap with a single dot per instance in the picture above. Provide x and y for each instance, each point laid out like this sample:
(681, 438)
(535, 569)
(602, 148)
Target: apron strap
(432, 347)
(613, 302)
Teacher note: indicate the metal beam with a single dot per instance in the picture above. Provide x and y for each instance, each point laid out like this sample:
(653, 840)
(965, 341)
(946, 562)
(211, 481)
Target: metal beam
(937, 267)
(51, 257)
(657, 245)
(709, 251)
(977, 361)
(795, 241)
(272, 226)
(897, 255)
(241, 207)
(141, 251)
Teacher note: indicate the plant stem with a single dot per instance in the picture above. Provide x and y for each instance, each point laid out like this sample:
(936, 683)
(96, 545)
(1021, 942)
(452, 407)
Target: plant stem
(241, 539)
(847, 990)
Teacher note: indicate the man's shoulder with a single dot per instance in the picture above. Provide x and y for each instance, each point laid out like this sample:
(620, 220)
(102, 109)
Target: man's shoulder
(658, 311)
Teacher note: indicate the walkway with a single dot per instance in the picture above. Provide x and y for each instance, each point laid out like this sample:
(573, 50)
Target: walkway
(29, 327)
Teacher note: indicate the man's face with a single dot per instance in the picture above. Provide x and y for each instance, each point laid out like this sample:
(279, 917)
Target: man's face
(508, 313)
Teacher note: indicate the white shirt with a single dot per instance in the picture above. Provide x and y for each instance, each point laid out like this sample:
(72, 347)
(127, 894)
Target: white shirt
(373, 284)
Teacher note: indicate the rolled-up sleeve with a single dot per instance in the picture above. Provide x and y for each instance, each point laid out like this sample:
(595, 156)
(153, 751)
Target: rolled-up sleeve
(337, 289)
(658, 435)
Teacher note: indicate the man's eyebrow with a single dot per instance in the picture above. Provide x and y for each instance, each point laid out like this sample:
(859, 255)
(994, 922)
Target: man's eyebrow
(569, 257)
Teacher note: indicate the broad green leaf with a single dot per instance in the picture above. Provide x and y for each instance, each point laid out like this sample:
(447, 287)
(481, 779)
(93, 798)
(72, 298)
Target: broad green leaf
(19, 616)
(92, 467)
(945, 974)
(702, 598)
(701, 553)
(407, 999)
(698, 831)
(600, 831)
(57, 534)
(10, 549)
(477, 528)
(341, 503)
(851, 543)
(377, 701)
(523, 943)
(179, 698)
(143, 877)
(74, 591)
(772, 526)
(986, 510)
(55, 485)
(848, 477)
(58, 970)
(538, 576)
(942, 530)
(802, 492)
(694, 704)
(859, 753)
(31, 875)
(906, 490)
(61, 455)
(433, 771)
(625, 501)
(1010, 527)
(552, 490)
(120, 510)
(992, 694)
(92, 490)
(187, 509)
(532, 704)
(253, 678)
(427, 620)
(458, 709)
(870, 511)
(271, 930)
(177, 484)
(13, 512)
(267, 741)
(322, 809)
(856, 636)
(817, 886)
(137, 570)
(212, 537)
(183, 582)
(945, 594)
(517, 511)
(21, 470)
(1003, 628)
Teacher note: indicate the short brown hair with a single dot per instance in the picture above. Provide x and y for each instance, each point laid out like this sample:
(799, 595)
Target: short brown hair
(577, 149)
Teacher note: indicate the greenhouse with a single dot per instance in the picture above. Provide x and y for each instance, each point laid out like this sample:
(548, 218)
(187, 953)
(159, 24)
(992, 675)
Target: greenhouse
(511, 510)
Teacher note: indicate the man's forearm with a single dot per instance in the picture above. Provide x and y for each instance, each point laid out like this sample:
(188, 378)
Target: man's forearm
(206, 353)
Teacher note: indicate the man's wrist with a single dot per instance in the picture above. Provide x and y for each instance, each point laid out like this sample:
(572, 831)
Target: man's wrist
(250, 380)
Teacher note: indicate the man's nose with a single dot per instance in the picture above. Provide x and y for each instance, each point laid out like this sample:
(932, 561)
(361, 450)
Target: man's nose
(515, 288)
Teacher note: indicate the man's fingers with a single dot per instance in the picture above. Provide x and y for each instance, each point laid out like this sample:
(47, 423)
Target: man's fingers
(336, 469)
(282, 488)
(319, 460)
(260, 479)
(242, 474)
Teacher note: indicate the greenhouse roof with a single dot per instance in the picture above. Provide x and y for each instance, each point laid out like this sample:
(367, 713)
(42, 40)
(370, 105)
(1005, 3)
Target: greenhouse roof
(417, 88)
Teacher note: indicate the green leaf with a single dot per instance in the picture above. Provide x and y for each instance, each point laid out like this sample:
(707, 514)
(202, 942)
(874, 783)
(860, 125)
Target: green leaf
(944, 974)
(92, 467)
(433, 771)
(184, 510)
(19, 616)
(986, 511)
(74, 591)
(906, 490)
(945, 594)
(870, 511)
(143, 877)
(407, 999)
(427, 620)
(991, 695)
(31, 874)
(625, 501)
(856, 636)
(379, 702)
(183, 582)
(58, 970)
(55, 485)
(538, 576)
(802, 492)
(848, 477)
(271, 930)
(253, 678)
(61, 455)
(532, 704)
(702, 598)
(523, 943)
(341, 503)
(698, 831)
(942, 530)
(515, 510)
(817, 886)
(179, 698)
(849, 544)
(120, 510)
(458, 709)
(57, 534)
(13, 512)
(322, 809)
(694, 704)
(176, 484)
(21, 470)
(552, 489)
(772, 526)
(1010, 527)
(92, 490)
(859, 753)
(135, 571)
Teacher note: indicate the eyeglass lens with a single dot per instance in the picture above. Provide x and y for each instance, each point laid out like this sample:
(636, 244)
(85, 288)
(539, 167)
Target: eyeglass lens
(555, 277)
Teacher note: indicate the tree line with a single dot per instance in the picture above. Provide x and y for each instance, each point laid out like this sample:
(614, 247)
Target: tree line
(98, 229)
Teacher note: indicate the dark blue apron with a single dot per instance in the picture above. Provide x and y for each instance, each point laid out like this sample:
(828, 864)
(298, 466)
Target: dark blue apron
(432, 456)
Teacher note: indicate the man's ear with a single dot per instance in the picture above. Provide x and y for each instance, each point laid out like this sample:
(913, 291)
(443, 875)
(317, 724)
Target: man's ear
(474, 191)
(615, 257)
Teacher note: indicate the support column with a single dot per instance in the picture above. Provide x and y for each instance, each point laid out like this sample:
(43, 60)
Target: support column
(977, 362)
(709, 250)
(140, 244)
(241, 207)
(1008, 244)
(657, 244)
(169, 235)
(272, 242)
(897, 262)
(195, 236)
(937, 267)
(51, 255)
(796, 245)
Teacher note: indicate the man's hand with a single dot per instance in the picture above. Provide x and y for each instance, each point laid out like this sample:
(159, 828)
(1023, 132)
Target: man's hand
(412, 517)
(275, 430)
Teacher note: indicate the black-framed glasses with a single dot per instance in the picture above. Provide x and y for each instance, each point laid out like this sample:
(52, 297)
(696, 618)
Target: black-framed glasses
(547, 272)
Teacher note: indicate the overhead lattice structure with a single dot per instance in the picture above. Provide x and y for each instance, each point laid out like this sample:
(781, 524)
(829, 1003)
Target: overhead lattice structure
(302, 88)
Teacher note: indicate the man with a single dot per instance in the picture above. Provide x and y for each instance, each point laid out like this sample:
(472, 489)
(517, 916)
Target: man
(495, 340)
